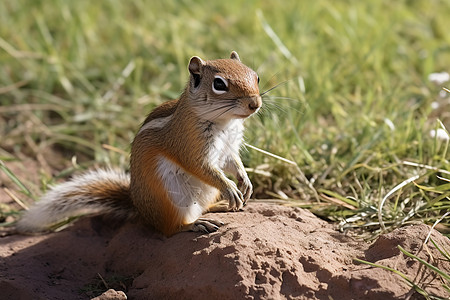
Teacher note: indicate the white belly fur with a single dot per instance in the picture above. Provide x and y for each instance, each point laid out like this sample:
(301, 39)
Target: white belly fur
(190, 195)
(227, 140)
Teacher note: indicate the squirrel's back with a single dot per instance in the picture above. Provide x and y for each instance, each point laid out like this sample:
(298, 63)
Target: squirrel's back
(102, 190)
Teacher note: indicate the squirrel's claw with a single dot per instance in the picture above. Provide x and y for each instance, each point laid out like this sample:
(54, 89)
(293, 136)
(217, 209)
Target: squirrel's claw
(234, 196)
(246, 187)
(205, 225)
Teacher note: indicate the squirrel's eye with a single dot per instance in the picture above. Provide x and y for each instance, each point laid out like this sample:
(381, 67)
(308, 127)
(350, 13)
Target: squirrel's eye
(258, 79)
(220, 85)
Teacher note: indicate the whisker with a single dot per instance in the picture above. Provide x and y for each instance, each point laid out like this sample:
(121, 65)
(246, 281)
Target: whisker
(269, 112)
(274, 87)
(214, 105)
(226, 100)
(224, 112)
(217, 107)
(268, 108)
(280, 98)
(283, 108)
(216, 111)
(270, 79)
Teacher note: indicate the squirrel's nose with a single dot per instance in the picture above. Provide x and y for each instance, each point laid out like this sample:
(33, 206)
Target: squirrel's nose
(254, 104)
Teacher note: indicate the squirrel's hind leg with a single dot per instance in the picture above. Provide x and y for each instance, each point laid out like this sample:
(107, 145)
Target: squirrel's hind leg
(203, 225)
(207, 225)
(219, 206)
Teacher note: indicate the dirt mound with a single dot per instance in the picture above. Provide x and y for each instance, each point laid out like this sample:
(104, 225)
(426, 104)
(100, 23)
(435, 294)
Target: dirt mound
(264, 252)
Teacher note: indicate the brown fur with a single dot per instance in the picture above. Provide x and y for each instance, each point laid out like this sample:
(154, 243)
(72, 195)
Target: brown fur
(181, 141)
(113, 193)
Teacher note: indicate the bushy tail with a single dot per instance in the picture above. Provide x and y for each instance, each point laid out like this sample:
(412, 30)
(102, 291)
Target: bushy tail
(99, 191)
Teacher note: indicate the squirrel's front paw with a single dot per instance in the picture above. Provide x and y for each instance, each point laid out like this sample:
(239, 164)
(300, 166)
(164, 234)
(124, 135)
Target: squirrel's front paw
(234, 196)
(245, 186)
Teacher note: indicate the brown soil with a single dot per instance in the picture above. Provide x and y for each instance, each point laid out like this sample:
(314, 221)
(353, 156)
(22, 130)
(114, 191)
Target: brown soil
(264, 252)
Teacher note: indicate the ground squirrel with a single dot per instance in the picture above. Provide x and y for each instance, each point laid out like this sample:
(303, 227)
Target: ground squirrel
(179, 159)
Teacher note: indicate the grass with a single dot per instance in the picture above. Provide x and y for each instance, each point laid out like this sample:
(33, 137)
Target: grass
(353, 112)
(443, 274)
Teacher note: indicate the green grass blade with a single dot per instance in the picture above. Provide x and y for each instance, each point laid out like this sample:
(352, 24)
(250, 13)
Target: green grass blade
(428, 265)
(443, 251)
(436, 189)
(409, 281)
(337, 196)
(14, 179)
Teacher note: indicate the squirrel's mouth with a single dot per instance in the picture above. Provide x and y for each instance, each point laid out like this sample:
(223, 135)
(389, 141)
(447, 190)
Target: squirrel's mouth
(243, 116)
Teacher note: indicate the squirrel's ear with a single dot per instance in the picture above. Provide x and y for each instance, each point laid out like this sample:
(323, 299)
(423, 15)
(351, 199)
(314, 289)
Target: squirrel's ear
(195, 65)
(195, 68)
(235, 56)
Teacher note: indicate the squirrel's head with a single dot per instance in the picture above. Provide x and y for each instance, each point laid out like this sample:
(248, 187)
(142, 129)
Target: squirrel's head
(223, 89)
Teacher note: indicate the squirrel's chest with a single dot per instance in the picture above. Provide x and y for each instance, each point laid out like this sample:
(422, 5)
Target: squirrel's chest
(224, 141)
